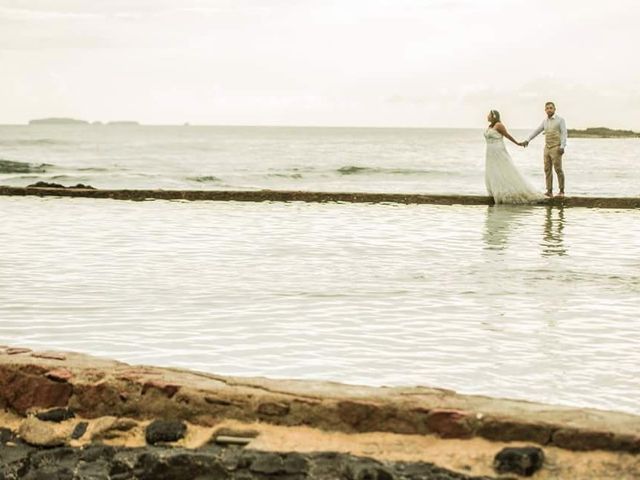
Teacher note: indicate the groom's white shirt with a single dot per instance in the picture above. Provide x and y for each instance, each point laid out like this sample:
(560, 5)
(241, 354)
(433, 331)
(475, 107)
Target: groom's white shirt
(547, 123)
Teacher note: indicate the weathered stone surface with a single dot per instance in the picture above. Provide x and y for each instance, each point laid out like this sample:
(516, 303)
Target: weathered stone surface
(268, 463)
(107, 428)
(523, 461)
(450, 423)
(17, 351)
(165, 431)
(165, 388)
(301, 196)
(55, 415)
(49, 355)
(505, 430)
(59, 375)
(21, 390)
(574, 439)
(42, 434)
(273, 409)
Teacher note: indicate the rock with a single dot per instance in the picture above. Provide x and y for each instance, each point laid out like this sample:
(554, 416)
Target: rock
(17, 351)
(49, 355)
(273, 409)
(165, 431)
(56, 415)
(510, 431)
(108, 428)
(167, 389)
(450, 423)
(79, 430)
(41, 434)
(59, 375)
(23, 390)
(6, 435)
(295, 463)
(267, 463)
(523, 461)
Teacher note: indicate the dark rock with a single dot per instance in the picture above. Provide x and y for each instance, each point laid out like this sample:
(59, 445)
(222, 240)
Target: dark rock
(55, 415)
(523, 461)
(45, 185)
(79, 430)
(6, 435)
(295, 463)
(165, 431)
(268, 463)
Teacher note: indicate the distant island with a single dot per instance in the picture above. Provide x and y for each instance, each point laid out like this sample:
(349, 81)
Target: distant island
(602, 132)
(73, 121)
(123, 122)
(57, 121)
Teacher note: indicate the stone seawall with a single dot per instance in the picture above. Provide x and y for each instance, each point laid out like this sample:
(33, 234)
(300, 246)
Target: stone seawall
(302, 196)
(61, 410)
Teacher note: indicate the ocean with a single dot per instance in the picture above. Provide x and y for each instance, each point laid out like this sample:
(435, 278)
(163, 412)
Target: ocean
(530, 302)
(320, 159)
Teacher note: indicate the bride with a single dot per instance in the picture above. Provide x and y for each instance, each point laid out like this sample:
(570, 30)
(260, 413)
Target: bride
(504, 181)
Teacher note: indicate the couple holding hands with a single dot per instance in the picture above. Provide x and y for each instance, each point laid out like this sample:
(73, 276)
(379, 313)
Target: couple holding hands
(503, 180)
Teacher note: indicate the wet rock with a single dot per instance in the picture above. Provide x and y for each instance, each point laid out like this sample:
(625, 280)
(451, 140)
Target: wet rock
(268, 463)
(56, 415)
(79, 430)
(165, 431)
(295, 463)
(523, 461)
(42, 434)
(371, 473)
(58, 185)
(6, 435)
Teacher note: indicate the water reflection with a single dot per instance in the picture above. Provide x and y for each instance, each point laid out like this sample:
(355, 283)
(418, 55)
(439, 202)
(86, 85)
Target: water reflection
(553, 238)
(499, 224)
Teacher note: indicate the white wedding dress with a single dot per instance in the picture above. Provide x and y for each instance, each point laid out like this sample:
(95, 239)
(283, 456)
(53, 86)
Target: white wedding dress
(504, 181)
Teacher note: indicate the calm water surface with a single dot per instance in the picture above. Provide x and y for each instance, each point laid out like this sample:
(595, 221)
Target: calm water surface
(524, 302)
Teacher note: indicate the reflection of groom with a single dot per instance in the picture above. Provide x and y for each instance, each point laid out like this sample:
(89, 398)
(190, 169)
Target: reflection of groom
(555, 141)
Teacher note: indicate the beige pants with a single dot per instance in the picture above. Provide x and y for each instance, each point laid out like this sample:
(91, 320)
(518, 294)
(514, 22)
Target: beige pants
(553, 157)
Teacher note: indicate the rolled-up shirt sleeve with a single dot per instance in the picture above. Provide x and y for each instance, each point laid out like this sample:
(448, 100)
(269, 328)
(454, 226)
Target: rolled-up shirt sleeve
(536, 132)
(563, 134)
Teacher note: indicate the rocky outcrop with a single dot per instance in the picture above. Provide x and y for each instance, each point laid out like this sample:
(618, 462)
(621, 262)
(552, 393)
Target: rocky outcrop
(71, 401)
(299, 196)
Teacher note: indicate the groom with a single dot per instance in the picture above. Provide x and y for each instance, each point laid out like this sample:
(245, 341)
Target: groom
(555, 141)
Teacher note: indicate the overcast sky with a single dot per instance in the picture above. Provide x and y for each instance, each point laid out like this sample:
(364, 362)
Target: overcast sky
(321, 62)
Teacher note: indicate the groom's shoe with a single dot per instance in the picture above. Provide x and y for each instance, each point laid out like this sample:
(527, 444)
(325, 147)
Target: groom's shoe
(548, 194)
(560, 195)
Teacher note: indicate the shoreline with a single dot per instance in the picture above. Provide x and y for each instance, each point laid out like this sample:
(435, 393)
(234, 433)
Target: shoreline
(89, 404)
(306, 196)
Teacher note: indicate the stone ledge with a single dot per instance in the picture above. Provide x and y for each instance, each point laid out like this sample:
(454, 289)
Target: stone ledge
(306, 196)
(97, 387)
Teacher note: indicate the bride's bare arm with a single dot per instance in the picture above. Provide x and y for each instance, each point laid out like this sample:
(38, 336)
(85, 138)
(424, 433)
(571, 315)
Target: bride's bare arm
(502, 129)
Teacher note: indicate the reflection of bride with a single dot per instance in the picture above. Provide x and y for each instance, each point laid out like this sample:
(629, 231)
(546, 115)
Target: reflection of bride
(498, 223)
(503, 180)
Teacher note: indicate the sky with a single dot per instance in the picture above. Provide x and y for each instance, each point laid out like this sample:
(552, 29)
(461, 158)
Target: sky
(415, 63)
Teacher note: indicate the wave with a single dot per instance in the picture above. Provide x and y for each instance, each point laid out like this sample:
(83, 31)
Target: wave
(35, 142)
(285, 175)
(205, 179)
(9, 166)
(356, 170)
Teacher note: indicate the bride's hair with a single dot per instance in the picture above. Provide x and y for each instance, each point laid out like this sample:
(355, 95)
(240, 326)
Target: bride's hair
(495, 114)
